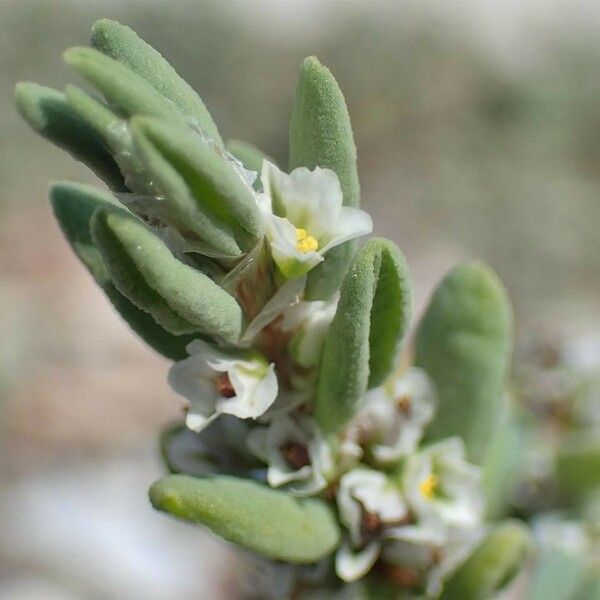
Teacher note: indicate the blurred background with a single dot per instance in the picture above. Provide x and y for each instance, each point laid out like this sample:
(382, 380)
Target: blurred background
(478, 133)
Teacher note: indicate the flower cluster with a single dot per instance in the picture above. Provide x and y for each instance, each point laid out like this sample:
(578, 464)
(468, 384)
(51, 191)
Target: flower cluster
(302, 444)
(417, 508)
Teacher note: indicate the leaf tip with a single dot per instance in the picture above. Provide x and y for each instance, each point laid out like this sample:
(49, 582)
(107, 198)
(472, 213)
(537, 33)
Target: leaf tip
(163, 496)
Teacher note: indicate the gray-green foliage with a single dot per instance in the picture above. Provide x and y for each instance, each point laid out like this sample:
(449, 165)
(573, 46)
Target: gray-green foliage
(371, 318)
(464, 342)
(266, 521)
(176, 250)
(180, 298)
(206, 195)
(123, 45)
(51, 115)
(321, 135)
(74, 206)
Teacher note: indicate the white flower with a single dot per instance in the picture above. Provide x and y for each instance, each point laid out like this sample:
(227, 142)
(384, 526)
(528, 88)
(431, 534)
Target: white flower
(445, 499)
(305, 217)
(351, 564)
(439, 484)
(396, 414)
(215, 383)
(430, 551)
(297, 455)
(311, 321)
(368, 502)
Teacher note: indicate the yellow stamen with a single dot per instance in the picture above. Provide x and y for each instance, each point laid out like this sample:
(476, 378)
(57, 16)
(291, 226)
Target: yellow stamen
(428, 486)
(306, 243)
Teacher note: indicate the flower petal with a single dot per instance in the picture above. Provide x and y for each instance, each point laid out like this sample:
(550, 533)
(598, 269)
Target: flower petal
(349, 224)
(351, 565)
(255, 391)
(191, 378)
(197, 422)
(309, 199)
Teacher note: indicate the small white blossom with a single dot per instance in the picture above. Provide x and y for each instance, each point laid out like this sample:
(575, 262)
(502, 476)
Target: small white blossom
(297, 455)
(439, 483)
(396, 415)
(215, 383)
(445, 499)
(351, 564)
(305, 217)
(368, 502)
(431, 550)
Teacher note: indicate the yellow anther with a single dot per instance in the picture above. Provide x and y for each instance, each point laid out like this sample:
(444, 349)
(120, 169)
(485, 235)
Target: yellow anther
(428, 486)
(305, 243)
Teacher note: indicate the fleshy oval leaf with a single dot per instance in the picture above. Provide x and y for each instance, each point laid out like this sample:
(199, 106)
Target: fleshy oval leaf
(200, 185)
(122, 44)
(321, 136)
(464, 343)
(255, 517)
(361, 345)
(122, 88)
(215, 450)
(73, 205)
(180, 298)
(48, 112)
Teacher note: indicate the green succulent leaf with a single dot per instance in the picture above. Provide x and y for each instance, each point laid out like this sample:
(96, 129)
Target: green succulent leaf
(361, 345)
(73, 206)
(260, 519)
(464, 343)
(213, 451)
(180, 298)
(492, 565)
(321, 136)
(182, 452)
(122, 44)
(115, 133)
(558, 575)
(201, 186)
(578, 465)
(97, 114)
(48, 112)
(123, 88)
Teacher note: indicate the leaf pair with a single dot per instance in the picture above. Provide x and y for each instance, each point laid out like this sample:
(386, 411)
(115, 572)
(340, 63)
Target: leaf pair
(159, 296)
(171, 148)
(372, 316)
(134, 78)
(201, 189)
